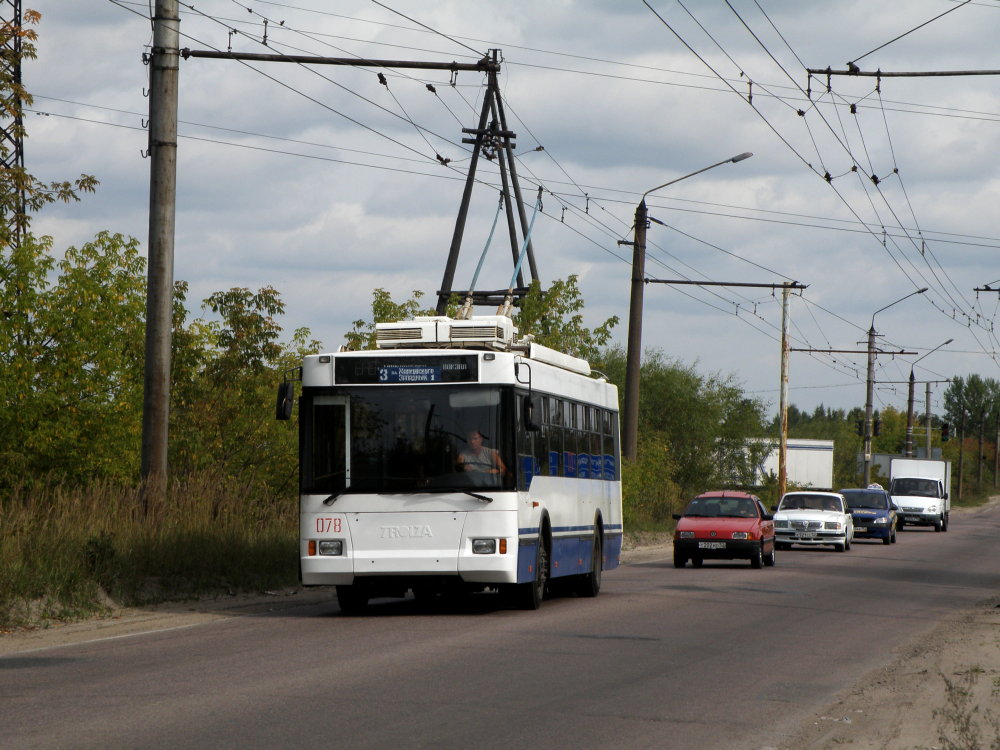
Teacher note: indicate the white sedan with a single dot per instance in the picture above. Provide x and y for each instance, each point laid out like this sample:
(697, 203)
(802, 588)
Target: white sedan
(813, 518)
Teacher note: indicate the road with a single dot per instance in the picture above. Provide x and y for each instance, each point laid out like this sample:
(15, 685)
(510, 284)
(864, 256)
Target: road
(721, 657)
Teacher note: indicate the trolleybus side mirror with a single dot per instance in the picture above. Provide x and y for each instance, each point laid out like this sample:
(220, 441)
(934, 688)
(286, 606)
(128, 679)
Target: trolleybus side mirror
(528, 407)
(286, 400)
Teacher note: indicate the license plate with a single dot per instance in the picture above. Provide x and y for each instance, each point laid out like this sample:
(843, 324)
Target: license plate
(913, 518)
(861, 529)
(711, 545)
(804, 536)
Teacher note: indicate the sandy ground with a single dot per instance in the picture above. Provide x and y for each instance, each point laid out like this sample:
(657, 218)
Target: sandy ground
(905, 705)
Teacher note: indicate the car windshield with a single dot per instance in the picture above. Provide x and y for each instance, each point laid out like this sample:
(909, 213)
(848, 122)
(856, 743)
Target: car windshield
(715, 507)
(867, 500)
(911, 487)
(810, 502)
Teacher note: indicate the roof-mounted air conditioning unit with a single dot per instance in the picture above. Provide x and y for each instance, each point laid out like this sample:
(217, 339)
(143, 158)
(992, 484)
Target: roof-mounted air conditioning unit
(496, 332)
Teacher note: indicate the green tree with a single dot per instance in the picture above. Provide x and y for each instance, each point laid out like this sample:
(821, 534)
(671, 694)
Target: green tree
(705, 420)
(384, 310)
(979, 397)
(225, 375)
(71, 360)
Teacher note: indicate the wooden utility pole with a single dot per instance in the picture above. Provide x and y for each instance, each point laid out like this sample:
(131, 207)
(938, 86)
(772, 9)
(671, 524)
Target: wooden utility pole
(163, 63)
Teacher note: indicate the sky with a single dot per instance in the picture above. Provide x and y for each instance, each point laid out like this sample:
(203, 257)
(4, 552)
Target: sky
(325, 184)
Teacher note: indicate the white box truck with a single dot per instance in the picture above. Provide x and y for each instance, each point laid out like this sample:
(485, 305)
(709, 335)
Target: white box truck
(921, 489)
(808, 463)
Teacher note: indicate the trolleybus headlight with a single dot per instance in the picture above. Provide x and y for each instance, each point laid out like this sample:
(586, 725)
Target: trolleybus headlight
(484, 546)
(331, 547)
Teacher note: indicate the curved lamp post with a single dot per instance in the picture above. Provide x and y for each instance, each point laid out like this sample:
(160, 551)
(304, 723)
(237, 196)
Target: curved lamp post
(631, 421)
(871, 386)
(909, 405)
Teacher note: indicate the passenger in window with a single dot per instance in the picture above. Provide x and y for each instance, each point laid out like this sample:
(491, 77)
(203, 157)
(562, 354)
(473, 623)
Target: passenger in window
(479, 459)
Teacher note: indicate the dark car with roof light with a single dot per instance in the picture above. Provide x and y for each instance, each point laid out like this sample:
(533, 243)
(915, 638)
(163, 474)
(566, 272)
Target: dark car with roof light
(873, 512)
(724, 525)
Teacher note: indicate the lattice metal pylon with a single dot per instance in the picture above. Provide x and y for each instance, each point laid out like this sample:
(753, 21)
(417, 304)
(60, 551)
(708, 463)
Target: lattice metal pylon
(11, 123)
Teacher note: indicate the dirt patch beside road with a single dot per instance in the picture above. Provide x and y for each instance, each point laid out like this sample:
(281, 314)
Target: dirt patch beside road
(908, 704)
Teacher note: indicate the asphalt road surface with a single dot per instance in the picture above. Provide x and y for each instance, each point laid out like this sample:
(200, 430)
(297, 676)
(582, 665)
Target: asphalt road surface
(721, 657)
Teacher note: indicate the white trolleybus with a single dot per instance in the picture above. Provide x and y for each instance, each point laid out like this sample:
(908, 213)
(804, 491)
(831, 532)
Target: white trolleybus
(456, 458)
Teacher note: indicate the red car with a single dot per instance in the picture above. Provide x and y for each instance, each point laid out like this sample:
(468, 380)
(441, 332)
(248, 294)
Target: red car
(724, 525)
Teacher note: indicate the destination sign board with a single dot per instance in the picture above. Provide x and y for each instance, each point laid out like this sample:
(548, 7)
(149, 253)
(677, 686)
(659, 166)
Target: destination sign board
(400, 370)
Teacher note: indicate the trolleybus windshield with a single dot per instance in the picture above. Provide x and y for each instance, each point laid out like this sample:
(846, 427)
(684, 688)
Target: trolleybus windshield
(407, 438)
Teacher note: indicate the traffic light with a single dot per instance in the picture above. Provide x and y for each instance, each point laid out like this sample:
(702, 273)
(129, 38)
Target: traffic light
(859, 427)
(877, 427)
(945, 432)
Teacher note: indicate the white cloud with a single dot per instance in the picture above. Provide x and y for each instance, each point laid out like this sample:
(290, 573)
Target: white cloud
(302, 215)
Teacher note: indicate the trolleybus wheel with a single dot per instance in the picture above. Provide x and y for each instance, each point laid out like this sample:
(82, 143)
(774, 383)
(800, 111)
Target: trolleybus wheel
(530, 595)
(590, 583)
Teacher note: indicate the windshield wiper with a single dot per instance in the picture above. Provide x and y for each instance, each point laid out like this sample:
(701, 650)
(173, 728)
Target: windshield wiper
(330, 500)
(480, 498)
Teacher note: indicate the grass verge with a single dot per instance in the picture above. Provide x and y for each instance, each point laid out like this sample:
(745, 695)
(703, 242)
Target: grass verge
(64, 550)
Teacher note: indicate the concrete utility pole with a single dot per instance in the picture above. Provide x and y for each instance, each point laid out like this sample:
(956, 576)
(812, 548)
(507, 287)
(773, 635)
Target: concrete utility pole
(927, 418)
(630, 437)
(909, 405)
(869, 394)
(870, 386)
(981, 460)
(961, 453)
(163, 63)
(633, 355)
(783, 405)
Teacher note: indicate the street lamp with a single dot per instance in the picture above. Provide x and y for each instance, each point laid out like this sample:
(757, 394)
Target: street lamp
(634, 352)
(909, 406)
(871, 385)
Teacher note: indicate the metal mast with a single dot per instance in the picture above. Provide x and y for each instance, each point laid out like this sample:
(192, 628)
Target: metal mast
(12, 134)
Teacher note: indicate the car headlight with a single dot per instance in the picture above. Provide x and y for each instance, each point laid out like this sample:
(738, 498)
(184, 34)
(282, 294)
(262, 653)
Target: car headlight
(932, 509)
(882, 521)
(484, 546)
(833, 525)
(331, 546)
(685, 535)
(741, 535)
(781, 524)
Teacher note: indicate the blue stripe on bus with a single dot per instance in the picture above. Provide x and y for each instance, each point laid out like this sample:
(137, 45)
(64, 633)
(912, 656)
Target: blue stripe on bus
(612, 527)
(570, 555)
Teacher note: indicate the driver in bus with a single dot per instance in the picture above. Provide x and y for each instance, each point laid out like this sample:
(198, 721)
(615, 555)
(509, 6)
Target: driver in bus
(479, 459)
